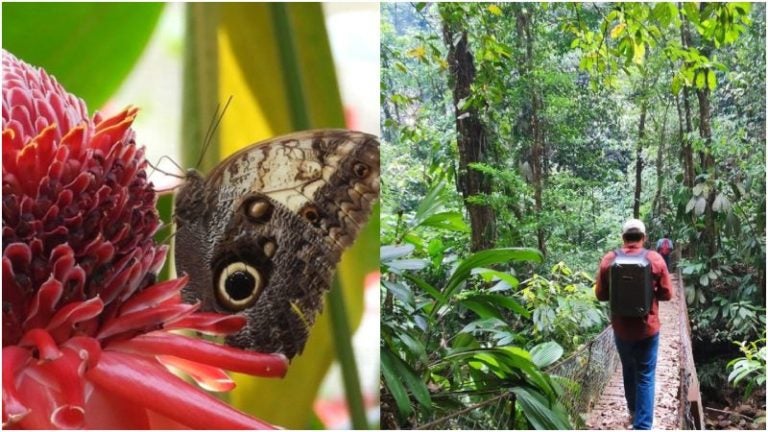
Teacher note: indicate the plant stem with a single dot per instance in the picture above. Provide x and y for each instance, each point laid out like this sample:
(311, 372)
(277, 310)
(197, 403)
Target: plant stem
(342, 339)
(294, 88)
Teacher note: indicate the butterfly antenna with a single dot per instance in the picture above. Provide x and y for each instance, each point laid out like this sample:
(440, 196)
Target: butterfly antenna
(168, 238)
(156, 167)
(212, 129)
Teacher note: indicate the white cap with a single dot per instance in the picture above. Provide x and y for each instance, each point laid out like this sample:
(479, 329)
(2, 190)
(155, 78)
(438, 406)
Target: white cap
(635, 225)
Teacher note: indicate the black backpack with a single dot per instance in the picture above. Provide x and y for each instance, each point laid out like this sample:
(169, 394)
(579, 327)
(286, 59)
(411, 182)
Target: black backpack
(631, 284)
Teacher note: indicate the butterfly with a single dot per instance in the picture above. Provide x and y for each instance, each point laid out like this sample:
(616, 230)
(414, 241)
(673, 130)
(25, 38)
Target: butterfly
(261, 235)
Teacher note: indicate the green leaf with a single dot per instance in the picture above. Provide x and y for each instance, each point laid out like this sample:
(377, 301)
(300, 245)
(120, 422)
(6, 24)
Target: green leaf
(537, 411)
(485, 258)
(426, 287)
(618, 30)
(407, 264)
(504, 301)
(389, 370)
(449, 220)
(546, 353)
(391, 252)
(412, 382)
(711, 80)
(704, 280)
(415, 347)
(489, 274)
(494, 10)
(483, 309)
(700, 79)
(401, 291)
(89, 47)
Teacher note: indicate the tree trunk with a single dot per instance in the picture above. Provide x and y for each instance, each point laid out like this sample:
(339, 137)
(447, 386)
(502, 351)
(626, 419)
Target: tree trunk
(531, 115)
(709, 235)
(471, 139)
(658, 201)
(689, 173)
(639, 163)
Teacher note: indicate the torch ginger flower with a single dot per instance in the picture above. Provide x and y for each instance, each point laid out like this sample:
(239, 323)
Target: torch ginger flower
(87, 338)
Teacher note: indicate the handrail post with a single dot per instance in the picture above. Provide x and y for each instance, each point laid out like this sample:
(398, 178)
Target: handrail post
(692, 398)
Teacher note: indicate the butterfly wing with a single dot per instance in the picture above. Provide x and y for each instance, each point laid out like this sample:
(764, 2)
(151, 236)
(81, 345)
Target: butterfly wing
(277, 216)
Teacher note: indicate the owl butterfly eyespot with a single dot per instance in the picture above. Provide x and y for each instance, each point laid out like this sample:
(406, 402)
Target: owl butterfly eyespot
(261, 235)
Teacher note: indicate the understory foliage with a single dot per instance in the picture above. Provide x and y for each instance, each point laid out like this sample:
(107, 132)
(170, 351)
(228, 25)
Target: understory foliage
(561, 121)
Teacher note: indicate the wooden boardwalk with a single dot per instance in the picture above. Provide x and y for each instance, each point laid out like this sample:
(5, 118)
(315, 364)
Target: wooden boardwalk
(610, 412)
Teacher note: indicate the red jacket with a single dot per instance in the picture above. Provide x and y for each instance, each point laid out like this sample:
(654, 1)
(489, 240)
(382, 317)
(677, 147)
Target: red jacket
(636, 328)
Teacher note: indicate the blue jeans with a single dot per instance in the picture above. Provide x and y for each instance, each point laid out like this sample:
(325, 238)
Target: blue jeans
(638, 363)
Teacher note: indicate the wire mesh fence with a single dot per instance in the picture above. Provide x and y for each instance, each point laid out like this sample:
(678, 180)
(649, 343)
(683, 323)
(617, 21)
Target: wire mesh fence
(584, 374)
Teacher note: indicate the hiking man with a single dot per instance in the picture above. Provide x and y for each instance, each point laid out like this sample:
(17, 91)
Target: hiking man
(665, 246)
(636, 337)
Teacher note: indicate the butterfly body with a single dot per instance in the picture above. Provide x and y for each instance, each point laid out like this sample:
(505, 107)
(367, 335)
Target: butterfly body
(262, 234)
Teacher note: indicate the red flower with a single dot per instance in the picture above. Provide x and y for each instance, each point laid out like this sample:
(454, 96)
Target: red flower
(87, 332)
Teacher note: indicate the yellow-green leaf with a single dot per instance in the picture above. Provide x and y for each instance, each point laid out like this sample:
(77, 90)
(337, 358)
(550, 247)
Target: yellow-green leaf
(618, 30)
(711, 80)
(494, 10)
(639, 53)
(418, 53)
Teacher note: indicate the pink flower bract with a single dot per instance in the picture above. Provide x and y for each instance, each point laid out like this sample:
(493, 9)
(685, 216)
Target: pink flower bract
(87, 330)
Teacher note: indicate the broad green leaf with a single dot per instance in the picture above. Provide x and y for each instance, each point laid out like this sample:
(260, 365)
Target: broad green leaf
(536, 409)
(407, 264)
(390, 252)
(483, 309)
(430, 204)
(89, 47)
(392, 381)
(415, 347)
(504, 301)
(546, 353)
(485, 258)
(426, 287)
(412, 382)
(401, 291)
(450, 220)
(488, 274)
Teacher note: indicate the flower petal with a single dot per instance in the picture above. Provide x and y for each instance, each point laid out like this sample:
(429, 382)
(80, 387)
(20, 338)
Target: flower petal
(42, 340)
(146, 319)
(210, 323)
(61, 324)
(14, 358)
(154, 295)
(208, 377)
(146, 383)
(197, 350)
(44, 303)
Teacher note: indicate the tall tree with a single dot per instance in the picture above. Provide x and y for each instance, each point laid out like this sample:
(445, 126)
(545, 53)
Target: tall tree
(531, 115)
(639, 161)
(471, 135)
(709, 237)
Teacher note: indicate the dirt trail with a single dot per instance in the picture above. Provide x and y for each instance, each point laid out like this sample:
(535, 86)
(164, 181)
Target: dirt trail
(610, 412)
